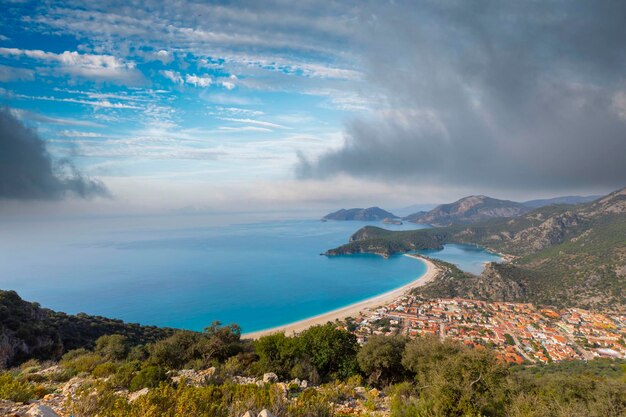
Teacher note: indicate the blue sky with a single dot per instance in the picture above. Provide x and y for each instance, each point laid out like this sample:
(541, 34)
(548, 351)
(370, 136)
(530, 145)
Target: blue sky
(214, 96)
(282, 104)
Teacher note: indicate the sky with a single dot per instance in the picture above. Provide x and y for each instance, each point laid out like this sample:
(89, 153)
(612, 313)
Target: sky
(141, 106)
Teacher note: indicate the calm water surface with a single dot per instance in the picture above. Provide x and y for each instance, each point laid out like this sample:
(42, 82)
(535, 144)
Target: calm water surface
(258, 275)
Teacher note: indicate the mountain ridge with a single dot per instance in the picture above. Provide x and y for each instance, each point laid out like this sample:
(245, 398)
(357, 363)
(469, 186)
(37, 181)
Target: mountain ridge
(468, 209)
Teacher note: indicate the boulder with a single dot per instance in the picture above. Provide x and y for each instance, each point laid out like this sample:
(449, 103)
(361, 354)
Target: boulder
(374, 392)
(270, 377)
(134, 395)
(242, 380)
(70, 387)
(38, 410)
(304, 384)
(265, 413)
(249, 414)
(193, 377)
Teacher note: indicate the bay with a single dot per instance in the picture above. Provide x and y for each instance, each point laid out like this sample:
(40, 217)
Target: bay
(186, 274)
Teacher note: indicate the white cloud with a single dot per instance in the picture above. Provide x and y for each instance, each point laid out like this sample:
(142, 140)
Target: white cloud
(25, 114)
(198, 81)
(619, 104)
(79, 134)
(15, 74)
(173, 76)
(229, 85)
(235, 111)
(244, 129)
(95, 67)
(162, 55)
(255, 122)
(104, 103)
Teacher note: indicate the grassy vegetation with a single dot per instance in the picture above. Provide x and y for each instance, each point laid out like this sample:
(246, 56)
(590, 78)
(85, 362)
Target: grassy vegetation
(421, 377)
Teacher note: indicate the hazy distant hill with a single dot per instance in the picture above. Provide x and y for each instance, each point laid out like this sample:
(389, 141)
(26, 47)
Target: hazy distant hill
(412, 209)
(570, 199)
(565, 255)
(368, 214)
(468, 210)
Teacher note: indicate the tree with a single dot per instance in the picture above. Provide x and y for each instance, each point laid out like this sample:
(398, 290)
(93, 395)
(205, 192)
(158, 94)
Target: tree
(277, 353)
(454, 380)
(175, 351)
(113, 347)
(149, 377)
(331, 351)
(219, 342)
(381, 359)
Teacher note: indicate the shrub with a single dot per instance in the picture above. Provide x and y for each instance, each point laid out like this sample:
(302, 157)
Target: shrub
(149, 377)
(112, 347)
(82, 361)
(13, 389)
(125, 374)
(104, 369)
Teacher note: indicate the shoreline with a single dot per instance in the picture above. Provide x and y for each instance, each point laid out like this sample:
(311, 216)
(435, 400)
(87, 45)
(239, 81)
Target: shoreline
(353, 309)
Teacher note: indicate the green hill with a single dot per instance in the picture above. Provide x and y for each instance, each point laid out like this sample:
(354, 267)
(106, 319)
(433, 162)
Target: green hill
(30, 331)
(367, 214)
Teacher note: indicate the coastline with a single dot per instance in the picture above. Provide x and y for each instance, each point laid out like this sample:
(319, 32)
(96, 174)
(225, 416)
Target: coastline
(352, 310)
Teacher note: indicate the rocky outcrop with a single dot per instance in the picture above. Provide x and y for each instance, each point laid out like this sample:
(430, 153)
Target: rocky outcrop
(193, 377)
(270, 377)
(497, 283)
(552, 231)
(38, 410)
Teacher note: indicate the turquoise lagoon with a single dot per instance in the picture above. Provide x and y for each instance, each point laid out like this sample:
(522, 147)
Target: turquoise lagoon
(188, 274)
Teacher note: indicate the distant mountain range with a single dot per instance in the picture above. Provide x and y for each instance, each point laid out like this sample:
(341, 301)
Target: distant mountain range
(367, 214)
(471, 209)
(570, 199)
(561, 255)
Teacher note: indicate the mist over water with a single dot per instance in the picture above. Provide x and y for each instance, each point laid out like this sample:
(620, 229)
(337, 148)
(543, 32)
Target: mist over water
(187, 271)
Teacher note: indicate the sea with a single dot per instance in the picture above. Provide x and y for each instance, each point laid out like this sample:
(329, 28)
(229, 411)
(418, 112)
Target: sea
(187, 274)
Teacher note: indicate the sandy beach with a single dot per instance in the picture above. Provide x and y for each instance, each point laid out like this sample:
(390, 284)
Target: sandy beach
(353, 310)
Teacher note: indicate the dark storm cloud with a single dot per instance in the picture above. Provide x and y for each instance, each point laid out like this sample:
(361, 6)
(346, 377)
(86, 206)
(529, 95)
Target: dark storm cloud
(27, 170)
(490, 93)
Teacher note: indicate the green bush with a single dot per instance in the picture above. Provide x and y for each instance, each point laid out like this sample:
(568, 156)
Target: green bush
(81, 360)
(125, 374)
(113, 347)
(104, 369)
(149, 377)
(13, 389)
(319, 352)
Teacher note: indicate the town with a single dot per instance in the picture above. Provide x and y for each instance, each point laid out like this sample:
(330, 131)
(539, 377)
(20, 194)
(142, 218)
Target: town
(518, 332)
